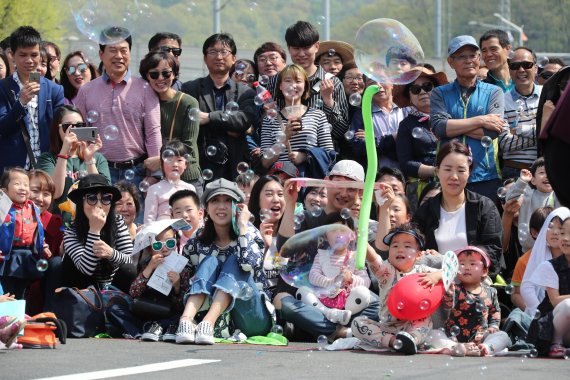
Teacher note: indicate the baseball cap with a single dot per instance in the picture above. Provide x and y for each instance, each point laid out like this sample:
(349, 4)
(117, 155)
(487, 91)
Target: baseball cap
(349, 169)
(460, 41)
(388, 238)
(225, 187)
(285, 167)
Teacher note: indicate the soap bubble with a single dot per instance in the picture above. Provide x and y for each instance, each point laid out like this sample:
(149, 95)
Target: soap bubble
(322, 342)
(271, 113)
(486, 141)
(479, 307)
(168, 155)
(398, 344)
(211, 150)
(320, 20)
(278, 148)
(400, 305)
(543, 61)
(510, 289)
(242, 167)
(291, 91)
(455, 330)
(424, 305)
(240, 67)
(92, 116)
(264, 214)
(523, 230)
(173, 177)
(226, 116)
(349, 135)
(258, 100)
(280, 137)
(187, 157)
(82, 173)
(331, 52)
(207, 174)
(269, 154)
(299, 217)
(316, 211)
(355, 99)
(232, 107)
(533, 353)
(194, 114)
(319, 103)
(42, 265)
(245, 291)
(263, 80)
(129, 174)
(277, 329)
(252, 6)
(379, 41)
(502, 193)
(111, 132)
(345, 213)
(143, 186)
(417, 132)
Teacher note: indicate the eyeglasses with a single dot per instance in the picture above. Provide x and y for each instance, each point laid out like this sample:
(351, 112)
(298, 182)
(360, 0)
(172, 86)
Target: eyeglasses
(166, 74)
(416, 89)
(65, 126)
(53, 58)
(466, 57)
(517, 65)
(354, 79)
(168, 243)
(214, 53)
(562, 85)
(272, 59)
(82, 67)
(546, 75)
(175, 51)
(92, 199)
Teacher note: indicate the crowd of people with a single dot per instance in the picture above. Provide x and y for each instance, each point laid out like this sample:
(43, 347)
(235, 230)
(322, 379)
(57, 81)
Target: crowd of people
(113, 174)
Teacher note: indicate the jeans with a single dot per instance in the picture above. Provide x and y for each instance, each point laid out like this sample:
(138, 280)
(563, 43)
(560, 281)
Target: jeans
(121, 317)
(140, 173)
(312, 321)
(250, 316)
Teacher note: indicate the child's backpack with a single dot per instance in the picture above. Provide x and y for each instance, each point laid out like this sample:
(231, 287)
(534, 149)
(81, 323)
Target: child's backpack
(41, 331)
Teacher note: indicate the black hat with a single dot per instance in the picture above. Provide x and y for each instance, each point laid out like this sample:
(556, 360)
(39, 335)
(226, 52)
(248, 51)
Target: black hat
(93, 183)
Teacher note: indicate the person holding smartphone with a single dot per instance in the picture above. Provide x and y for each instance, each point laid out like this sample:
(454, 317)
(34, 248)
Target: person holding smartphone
(27, 103)
(70, 158)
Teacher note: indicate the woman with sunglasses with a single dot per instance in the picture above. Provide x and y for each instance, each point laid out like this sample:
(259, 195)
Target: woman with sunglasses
(68, 158)
(97, 243)
(416, 144)
(160, 69)
(75, 72)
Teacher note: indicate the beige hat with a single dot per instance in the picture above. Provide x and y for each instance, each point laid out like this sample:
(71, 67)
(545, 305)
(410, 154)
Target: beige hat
(342, 49)
(400, 93)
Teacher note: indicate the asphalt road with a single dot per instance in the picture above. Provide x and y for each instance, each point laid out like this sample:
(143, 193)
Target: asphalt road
(296, 361)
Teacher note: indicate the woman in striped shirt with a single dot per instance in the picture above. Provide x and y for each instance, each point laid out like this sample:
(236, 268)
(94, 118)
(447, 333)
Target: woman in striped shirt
(98, 242)
(297, 129)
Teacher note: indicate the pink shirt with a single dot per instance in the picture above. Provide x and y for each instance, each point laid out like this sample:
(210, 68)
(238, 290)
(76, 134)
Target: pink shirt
(133, 107)
(156, 205)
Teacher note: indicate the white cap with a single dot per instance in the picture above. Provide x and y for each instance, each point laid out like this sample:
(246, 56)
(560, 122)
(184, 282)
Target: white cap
(147, 235)
(349, 169)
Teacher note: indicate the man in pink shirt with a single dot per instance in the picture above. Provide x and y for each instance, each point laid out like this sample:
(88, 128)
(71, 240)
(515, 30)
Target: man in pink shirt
(125, 110)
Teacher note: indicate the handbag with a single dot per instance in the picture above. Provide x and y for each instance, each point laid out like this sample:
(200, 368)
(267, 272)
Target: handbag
(81, 310)
(151, 306)
(42, 331)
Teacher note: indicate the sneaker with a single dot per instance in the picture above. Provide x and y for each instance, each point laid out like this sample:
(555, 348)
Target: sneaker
(186, 332)
(170, 334)
(204, 333)
(556, 351)
(153, 333)
(408, 344)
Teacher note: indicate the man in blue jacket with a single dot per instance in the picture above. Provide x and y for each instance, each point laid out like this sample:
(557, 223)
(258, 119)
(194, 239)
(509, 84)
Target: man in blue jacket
(471, 111)
(25, 101)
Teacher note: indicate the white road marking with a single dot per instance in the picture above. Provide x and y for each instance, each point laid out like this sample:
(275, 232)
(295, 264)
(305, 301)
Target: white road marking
(155, 367)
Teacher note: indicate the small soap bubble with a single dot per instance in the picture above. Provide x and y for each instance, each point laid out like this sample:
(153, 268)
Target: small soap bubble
(502, 193)
(240, 67)
(263, 80)
(398, 344)
(272, 113)
(455, 330)
(355, 99)
(129, 174)
(509, 289)
(537, 314)
(322, 342)
(250, 78)
(299, 217)
(258, 100)
(187, 157)
(252, 6)
(82, 173)
(331, 52)
(207, 174)
(225, 116)
(469, 299)
(533, 353)
(321, 20)
(168, 155)
(194, 114)
(264, 214)
(278, 148)
(417, 132)
(424, 304)
(400, 305)
(345, 213)
(316, 211)
(245, 291)
(232, 107)
(42, 265)
(349, 135)
(543, 61)
(211, 150)
(479, 307)
(567, 354)
(297, 225)
(486, 141)
(319, 103)
(280, 137)
(92, 116)
(111, 132)
(277, 329)
(242, 167)
(143, 186)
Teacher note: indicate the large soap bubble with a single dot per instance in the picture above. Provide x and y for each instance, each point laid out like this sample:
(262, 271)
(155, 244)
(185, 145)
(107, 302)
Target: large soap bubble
(380, 45)
(296, 257)
(107, 22)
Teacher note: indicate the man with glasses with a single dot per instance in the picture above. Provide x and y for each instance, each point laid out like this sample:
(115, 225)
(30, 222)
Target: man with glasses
(170, 43)
(128, 112)
(222, 139)
(554, 65)
(495, 48)
(471, 111)
(270, 59)
(518, 139)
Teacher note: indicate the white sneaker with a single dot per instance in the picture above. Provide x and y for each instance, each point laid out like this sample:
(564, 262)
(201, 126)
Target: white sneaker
(186, 332)
(153, 333)
(204, 333)
(339, 316)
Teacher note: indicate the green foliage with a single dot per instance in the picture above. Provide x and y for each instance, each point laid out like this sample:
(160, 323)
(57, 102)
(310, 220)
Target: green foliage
(43, 15)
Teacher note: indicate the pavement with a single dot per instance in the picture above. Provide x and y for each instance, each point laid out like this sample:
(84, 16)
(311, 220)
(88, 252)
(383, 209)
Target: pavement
(126, 359)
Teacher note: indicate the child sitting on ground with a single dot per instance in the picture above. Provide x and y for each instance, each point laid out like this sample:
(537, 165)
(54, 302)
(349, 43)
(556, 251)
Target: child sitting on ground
(173, 163)
(405, 245)
(185, 204)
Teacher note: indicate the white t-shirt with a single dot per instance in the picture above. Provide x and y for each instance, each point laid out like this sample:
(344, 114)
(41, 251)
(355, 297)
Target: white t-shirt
(452, 231)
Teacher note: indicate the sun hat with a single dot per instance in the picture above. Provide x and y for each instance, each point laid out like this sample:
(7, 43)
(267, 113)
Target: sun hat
(93, 183)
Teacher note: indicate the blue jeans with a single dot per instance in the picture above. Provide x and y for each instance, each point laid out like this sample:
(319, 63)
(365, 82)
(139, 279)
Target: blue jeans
(121, 317)
(140, 173)
(250, 316)
(312, 321)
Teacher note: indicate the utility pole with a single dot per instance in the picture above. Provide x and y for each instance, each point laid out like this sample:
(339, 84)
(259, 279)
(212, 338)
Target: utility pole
(437, 34)
(216, 11)
(327, 23)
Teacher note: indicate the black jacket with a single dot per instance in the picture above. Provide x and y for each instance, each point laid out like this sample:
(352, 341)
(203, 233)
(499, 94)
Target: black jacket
(483, 225)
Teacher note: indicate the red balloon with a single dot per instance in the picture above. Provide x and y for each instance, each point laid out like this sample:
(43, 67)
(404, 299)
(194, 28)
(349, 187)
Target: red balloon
(410, 300)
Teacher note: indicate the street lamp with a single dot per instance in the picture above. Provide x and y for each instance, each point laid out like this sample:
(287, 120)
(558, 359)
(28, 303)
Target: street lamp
(512, 25)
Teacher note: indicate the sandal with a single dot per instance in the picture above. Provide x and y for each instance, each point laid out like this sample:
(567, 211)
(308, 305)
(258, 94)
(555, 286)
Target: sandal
(556, 351)
(472, 350)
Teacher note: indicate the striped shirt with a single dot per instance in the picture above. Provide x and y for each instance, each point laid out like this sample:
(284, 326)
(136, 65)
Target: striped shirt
(133, 107)
(518, 140)
(337, 115)
(314, 133)
(102, 270)
(327, 266)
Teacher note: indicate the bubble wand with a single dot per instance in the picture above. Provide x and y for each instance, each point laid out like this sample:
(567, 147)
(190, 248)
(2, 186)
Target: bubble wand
(369, 142)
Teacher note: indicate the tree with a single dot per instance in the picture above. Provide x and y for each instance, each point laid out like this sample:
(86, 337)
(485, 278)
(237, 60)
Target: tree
(45, 16)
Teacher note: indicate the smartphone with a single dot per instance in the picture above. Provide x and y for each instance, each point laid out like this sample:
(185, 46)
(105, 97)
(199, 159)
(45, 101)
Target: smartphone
(35, 77)
(235, 216)
(86, 133)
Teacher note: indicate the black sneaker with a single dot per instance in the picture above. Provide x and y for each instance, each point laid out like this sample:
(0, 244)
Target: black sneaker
(408, 344)
(153, 333)
(170, 334)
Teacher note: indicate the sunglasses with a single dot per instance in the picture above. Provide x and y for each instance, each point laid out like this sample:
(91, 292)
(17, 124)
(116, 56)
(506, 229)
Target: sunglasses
(175, 51)
(166, 74)
(92, 199)
(546, 75)
(416, 89)
(82, 67)
(517, 65)
(66, 126)
(168, 243)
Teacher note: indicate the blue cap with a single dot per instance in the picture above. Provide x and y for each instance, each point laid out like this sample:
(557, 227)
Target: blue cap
(460, 41)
